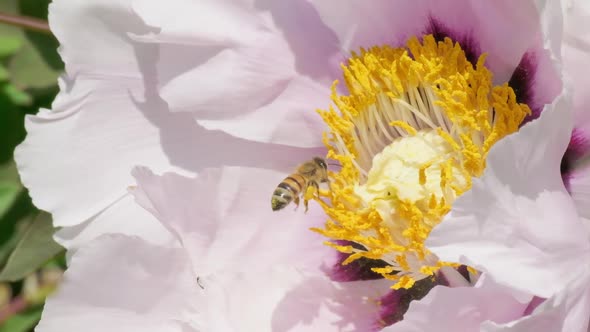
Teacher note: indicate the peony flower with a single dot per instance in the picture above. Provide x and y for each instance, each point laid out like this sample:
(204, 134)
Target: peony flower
(420, 94)
(446, 88)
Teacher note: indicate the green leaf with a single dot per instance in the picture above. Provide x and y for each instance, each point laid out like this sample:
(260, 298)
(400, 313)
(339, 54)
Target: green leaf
(4, 75)
(9, 46)
(8, 246)
(12, 236)
(8, 6)
(17, 214)
(22, 322)
(8, 172)
(29, 70)
(36, 64)
(12, 130)
(45, 44)
(8, 193)
(10, 33)
(17, 96)
(34, 249)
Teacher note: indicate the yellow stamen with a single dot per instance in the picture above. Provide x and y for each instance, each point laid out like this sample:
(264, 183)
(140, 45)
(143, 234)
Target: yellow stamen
(414, 128)
(409, 129)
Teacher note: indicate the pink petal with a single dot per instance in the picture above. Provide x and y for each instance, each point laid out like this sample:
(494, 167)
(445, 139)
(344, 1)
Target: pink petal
(120, 283)
(479, 26)
(536, 80)
(487, 24)
(278, 69)
(224, 219)
(359, 269)
(394, 305)
(524, 232)
(461, 309)
(363, 24)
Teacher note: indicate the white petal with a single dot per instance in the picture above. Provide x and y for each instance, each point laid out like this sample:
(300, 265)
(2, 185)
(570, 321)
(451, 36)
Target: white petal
(575, 24)
(278, 68)
(284, 299)
(102, 47)
(576, 51)
(579, 187)
(461, 309)
(120, 283)
(76, 159)
(225, 221)
(219, 22)
(282, 120)
(517, 222)
(235, 81)
(259, 270)
(551, 24)
(122, 217)
(575, 58)
(567, 311)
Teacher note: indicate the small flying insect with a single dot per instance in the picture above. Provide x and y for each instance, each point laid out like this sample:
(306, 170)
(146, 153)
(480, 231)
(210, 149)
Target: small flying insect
(308, 174)
(199, 283)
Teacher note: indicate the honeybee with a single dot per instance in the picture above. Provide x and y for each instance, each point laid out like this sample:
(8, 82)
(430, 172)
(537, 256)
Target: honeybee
(310, 173)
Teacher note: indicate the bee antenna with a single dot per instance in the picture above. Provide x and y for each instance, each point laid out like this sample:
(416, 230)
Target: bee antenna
(331, 164)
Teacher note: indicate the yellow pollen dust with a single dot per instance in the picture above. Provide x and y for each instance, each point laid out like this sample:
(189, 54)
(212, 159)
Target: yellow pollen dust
(412, 131)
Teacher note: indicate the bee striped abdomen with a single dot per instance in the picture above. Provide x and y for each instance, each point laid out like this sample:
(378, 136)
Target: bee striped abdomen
(287, 190)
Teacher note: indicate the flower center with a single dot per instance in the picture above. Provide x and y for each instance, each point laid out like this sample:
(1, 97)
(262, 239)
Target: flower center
(414, 129)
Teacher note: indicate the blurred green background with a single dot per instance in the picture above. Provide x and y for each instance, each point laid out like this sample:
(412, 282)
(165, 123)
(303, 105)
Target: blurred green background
(31, 263)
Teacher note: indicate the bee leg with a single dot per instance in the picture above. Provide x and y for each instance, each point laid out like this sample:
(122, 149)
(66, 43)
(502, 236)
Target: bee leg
(316, 188)
(296, 201)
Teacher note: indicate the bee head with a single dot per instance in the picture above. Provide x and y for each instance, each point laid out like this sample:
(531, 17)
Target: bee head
(320, 162)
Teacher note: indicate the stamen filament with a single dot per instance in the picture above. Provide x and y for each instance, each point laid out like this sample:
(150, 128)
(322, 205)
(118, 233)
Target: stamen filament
(414, 129)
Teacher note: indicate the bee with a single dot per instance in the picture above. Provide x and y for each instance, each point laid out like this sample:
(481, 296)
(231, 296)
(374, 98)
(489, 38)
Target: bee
(308, 174)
